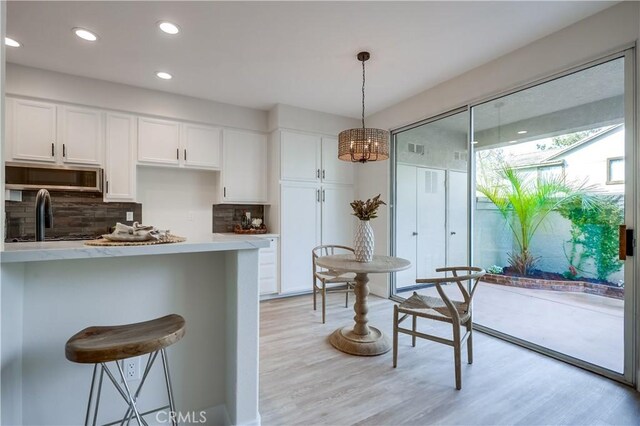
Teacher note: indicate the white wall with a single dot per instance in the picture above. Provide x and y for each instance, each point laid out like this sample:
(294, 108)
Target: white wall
(44, 84)
(177, 199)
(306, 120)
(595, 36)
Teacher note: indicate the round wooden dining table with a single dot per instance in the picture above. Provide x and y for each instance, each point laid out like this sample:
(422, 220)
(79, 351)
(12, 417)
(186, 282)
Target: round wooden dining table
(361, 338)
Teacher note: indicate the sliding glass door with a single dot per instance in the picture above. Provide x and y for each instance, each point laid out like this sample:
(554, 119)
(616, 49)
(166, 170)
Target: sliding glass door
(532, 186)
(431, 197)
(551, 193)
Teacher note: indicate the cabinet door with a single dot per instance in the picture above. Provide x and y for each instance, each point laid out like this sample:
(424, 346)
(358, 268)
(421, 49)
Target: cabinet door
(333, 169)
(158, 141)
(33, 130)
(337, 221)
(406, 226)
(268, 270)
(300, 157)
(244, 167)
(201, 147)
(81, 135)
(299, 234)
(120, 165)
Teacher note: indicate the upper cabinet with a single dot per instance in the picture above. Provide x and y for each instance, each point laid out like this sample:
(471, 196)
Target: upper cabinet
(81, 135)
(120, 157)
(244, 175)
(31, 130)
(300, 157)
(333, 169)
(158, 141)
(171, 143)
(201, 146)
(306, 157)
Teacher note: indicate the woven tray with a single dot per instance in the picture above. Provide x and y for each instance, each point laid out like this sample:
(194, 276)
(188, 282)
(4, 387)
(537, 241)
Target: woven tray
(105, 242)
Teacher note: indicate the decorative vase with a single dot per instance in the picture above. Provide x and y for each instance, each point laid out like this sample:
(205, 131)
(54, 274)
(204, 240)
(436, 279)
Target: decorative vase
(363, 242)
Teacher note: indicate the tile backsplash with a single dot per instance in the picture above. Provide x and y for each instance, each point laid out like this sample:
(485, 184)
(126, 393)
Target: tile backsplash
(226, 216)
(74, 213)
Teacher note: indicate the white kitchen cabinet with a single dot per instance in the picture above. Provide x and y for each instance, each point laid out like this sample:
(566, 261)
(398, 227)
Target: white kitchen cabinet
(81, 135)
(306, 157)
(120, 157)
(202, 146)
(337, 220)
(244, 174)
(335, 170)
(300, 232)
(268, 269)
(300, 157)
(158, 141)
(32, 129)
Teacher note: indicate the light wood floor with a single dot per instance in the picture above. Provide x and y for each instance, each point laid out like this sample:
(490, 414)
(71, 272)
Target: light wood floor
(304, 381)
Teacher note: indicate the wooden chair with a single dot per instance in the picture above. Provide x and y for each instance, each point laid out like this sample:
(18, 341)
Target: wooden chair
(101, 345)
(457, 313)
(330, 281)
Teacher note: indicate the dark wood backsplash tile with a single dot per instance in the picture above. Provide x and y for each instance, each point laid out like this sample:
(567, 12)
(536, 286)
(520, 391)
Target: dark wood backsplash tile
(226, 216)
(74, 213)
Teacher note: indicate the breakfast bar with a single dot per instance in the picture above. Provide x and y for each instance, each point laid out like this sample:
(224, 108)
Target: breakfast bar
(51, 290)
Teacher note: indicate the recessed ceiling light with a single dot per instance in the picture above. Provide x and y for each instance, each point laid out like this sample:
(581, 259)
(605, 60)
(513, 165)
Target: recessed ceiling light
(522, 132)
(11, 42)
(85, 34)
(168, 27)
(164, 75)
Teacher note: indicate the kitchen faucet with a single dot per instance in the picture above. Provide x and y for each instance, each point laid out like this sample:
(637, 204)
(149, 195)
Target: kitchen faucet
(44, 213)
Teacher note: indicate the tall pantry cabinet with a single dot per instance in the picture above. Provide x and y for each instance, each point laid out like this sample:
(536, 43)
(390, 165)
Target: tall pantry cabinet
(310, 206)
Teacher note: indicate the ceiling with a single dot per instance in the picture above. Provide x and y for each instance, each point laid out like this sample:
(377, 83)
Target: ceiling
(257, 54)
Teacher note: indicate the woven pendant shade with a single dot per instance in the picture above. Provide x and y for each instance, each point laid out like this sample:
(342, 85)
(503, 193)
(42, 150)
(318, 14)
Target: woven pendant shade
(363, 145)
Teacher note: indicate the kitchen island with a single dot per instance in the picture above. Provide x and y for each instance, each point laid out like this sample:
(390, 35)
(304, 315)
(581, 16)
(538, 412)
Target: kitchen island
(51, 290)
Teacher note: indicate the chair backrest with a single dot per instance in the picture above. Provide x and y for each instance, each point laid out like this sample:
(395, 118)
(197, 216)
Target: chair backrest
(459, 274)
(327, 250)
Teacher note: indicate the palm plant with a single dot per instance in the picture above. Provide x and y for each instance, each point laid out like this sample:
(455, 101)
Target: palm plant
(525, 202)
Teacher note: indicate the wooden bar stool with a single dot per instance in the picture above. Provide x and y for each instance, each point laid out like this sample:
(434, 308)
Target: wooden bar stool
(100, 345)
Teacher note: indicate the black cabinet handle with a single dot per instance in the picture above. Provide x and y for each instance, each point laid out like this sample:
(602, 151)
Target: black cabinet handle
(53, 149)
(323, 195)
(224, 191)
(177, 153)
(318, 173)
(317, 195)
(107, 187)
(323, 174)
(64, 150)
(185, 154)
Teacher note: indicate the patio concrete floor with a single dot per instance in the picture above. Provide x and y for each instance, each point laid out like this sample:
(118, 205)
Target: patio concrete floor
(584, 326)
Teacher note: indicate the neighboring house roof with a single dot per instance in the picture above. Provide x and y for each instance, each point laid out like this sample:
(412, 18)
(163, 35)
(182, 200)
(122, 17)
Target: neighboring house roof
(554, 156)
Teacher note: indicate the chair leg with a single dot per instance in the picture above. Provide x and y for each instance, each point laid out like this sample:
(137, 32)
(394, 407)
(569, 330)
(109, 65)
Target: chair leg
(93, 382)
(456, 356)
(324, 302)
(470, 342)
(167, 378)
(314, 296)
(395, 336)
(413, 338)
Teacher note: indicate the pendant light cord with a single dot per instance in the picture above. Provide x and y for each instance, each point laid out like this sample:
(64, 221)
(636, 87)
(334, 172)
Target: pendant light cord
(363, 94)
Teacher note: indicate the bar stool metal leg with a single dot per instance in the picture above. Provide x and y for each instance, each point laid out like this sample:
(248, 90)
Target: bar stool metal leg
(167, 377)
(93, 381)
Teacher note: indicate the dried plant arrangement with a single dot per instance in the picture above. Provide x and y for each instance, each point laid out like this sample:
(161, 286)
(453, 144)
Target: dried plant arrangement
(367, 210)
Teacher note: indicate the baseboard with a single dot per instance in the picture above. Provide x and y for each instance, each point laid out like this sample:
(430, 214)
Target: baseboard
(218, 416)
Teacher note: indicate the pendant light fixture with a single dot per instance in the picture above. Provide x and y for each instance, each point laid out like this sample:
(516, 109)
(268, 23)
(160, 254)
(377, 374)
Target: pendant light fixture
(363, 144)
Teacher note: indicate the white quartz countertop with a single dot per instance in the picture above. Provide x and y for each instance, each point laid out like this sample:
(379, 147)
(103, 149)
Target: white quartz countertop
(64, 250)
(254, 235)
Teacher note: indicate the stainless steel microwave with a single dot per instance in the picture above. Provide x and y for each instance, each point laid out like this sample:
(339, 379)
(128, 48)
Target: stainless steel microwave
(55, 178)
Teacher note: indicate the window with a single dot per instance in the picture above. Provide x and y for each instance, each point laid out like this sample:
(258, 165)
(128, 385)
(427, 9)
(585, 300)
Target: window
(615, 170)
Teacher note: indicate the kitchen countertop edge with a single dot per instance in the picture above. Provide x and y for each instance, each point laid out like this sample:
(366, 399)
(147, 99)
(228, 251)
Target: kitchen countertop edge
(69, 250)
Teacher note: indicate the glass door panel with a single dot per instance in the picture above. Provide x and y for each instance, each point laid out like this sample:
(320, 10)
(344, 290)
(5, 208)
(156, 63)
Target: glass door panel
(550, 194)
(431, 196)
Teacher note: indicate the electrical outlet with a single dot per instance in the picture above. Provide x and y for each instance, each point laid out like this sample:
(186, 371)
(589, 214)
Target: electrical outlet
(129, 216)
(131, 368)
